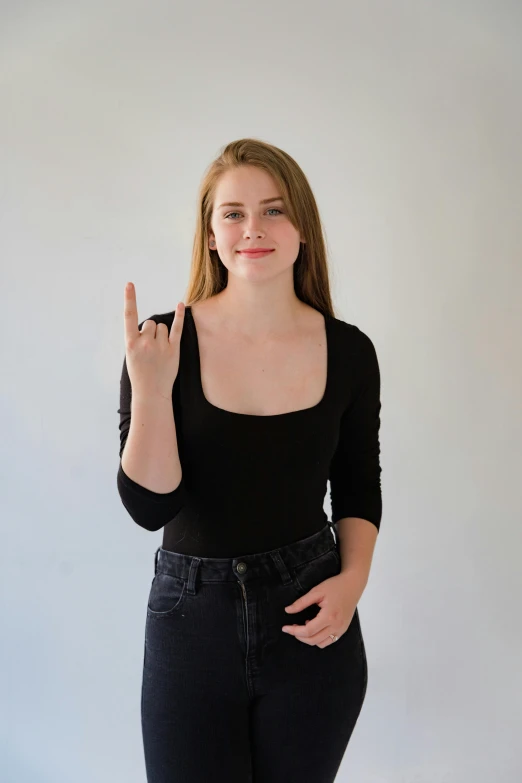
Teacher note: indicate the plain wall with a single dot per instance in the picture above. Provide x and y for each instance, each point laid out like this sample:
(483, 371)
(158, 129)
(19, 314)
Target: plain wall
(406, 117)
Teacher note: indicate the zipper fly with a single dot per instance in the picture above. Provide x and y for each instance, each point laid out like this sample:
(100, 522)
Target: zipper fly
(247, 639)
(245, 616)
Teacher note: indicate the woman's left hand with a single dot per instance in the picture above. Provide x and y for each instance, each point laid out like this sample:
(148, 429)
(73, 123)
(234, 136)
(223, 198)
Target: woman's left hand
(337, 597)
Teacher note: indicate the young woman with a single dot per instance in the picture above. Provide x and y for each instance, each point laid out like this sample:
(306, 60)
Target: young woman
(235, 412)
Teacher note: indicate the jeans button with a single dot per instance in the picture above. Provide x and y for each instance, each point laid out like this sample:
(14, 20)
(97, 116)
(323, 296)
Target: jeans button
(241, 568)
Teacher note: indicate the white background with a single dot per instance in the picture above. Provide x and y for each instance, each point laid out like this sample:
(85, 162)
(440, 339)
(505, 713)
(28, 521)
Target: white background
(407, 119)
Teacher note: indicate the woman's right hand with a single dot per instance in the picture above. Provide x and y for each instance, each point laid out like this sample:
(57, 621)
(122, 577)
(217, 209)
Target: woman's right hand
(152, 355)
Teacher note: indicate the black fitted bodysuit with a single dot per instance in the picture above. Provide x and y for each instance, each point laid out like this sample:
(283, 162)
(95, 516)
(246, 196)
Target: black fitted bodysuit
(255, 483)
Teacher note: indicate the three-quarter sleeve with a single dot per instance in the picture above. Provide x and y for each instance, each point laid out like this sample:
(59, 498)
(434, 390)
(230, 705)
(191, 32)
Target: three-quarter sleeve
(355, 470)
(150, 510)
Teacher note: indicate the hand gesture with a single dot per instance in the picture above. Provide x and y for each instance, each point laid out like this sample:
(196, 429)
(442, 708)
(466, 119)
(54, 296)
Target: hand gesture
(152, 355)
(337, 598)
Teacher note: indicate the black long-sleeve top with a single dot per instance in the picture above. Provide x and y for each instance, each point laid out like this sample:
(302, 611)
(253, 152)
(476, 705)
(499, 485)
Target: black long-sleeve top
(254, 483)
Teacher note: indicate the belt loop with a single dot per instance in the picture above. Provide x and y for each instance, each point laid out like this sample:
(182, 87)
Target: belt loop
(192, 574)
(156, 558)
(286, 577)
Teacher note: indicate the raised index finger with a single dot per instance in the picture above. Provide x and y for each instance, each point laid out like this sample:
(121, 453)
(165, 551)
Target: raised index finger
(130, 313)
(177, 323)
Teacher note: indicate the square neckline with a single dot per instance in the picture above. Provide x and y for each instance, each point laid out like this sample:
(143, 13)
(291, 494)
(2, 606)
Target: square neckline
(269, 416)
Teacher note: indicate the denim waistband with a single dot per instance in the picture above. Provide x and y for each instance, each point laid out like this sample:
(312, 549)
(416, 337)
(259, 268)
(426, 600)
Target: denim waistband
(246, 567)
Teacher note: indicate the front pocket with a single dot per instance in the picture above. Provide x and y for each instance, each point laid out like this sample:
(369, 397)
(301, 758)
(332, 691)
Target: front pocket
(166, 595)
(310, 574)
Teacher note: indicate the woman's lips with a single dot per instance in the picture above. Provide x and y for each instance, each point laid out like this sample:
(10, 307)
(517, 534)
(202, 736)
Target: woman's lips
(255, 253)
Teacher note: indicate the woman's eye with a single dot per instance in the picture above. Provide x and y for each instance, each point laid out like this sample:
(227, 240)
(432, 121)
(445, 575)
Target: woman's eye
(272, 209)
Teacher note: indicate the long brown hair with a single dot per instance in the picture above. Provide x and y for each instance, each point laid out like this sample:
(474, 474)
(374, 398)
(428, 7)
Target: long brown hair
(208, 275)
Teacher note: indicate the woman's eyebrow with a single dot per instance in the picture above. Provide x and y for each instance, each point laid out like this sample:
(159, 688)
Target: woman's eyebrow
(239, 204)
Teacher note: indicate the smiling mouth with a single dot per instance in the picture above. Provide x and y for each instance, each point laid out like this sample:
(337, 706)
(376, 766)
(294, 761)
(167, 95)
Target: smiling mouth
(255, 253)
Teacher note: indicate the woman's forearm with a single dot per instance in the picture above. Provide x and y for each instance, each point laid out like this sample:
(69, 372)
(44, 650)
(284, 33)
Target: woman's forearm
(150, 456)
(357, 539)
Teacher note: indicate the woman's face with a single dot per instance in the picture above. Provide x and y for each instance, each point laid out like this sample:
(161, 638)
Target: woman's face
(253, 224)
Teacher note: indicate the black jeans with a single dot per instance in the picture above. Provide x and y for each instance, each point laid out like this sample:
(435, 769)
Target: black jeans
(226, 694)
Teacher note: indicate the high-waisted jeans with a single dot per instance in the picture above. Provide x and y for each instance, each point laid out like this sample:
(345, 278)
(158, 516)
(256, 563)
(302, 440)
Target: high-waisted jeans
(226, 694)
